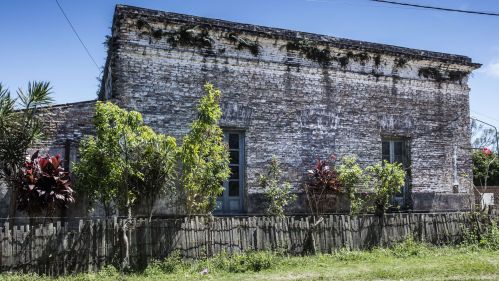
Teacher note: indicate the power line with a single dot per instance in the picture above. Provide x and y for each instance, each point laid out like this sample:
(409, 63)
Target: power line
(437, 8)
(485, 115)
(76, 33)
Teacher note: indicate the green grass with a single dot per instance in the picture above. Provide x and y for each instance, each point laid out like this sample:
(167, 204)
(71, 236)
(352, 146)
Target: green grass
(406, 261)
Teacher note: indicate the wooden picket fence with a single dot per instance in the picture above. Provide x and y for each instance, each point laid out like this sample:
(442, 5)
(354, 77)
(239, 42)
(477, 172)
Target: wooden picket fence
(63, 248)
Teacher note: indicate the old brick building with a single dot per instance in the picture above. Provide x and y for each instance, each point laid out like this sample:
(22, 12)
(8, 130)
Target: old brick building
(298, 96)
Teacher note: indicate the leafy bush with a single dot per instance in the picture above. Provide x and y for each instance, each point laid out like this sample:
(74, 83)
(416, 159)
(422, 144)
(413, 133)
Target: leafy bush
(278, 193)
(409, 248)
(386, 179)
(204, 156)
(483, 236)
(351, 176)
(153, 269)
(243, 262)
(126, 160)
(45, 185)
(155, 160)
(108, 271)
(169, 265)
(322, 181)
(172, 263)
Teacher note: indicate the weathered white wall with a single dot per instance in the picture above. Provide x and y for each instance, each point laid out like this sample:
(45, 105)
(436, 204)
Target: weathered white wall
(293, 107)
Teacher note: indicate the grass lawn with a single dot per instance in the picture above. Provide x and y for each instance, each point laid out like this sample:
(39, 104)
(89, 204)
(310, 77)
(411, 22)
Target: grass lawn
(404, 263)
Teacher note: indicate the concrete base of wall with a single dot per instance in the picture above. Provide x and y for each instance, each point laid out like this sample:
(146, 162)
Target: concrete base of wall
(438, 202)
(256, 203)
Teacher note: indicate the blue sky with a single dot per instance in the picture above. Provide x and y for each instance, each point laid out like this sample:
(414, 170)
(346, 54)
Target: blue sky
(38, 44)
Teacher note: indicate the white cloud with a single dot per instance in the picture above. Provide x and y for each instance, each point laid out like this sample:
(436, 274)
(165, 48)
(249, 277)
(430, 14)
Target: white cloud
(492, 69)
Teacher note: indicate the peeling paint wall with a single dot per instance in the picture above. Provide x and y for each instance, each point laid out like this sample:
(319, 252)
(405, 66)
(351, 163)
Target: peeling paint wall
(293, 107)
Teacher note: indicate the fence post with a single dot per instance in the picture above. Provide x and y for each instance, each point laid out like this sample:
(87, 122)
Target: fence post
(7, 245)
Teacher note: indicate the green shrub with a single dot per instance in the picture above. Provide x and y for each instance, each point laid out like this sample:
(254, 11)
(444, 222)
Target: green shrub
(386, 179)
(278, 193)
(153, 268)
(486, 237)
(108, 271)
(490, 238)
(126, 162)
(173, 263)
(409, 248)
(169, 265)
(261, 260)
(243, 262)
(221, 261)
(351, 177)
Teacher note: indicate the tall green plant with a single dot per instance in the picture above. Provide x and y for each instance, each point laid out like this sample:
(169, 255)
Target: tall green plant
(278, 193)
(204, 156)
(19, 130)
(126, 160)
(155, 159)
(386, 179)
(351, 177)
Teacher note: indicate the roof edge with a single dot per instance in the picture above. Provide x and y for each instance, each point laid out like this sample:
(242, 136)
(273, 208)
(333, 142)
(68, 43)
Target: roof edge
(294, 35)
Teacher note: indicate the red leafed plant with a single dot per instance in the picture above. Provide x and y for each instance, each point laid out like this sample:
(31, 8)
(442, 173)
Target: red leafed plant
(45, 185)
(324, 176)
(486, 151)
(322, 181)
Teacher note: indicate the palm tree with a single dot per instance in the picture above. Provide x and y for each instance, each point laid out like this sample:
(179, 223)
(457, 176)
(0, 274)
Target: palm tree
(20, 128)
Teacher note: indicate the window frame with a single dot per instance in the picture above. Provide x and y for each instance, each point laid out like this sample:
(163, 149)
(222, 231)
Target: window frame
(402, 198)
(223, 201)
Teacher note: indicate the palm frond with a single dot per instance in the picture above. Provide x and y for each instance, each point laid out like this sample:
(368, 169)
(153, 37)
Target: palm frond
(6, 107)
(38, 94)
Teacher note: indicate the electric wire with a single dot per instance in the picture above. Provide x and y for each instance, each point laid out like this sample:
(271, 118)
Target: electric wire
(437, 8)
(77, 35)
(404, 5)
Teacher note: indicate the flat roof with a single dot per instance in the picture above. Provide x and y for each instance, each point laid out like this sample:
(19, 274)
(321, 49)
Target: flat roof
(272, 32)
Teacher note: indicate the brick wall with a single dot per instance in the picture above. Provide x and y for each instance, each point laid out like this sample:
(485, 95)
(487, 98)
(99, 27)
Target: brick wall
(295, 108)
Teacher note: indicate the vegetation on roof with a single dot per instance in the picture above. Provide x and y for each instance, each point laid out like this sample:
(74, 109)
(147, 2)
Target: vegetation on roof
(191, 36)
(244, 43)
(400, 62)
(442, 76)
(311, 51)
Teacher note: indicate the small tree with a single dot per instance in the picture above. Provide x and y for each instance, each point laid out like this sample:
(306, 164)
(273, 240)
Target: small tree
(96, 176)
(124, 161)
(485, 170)
(277, 192)
(386, 178)
(351, 177)
(19, 130)
(204, 156)
(155, 159)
